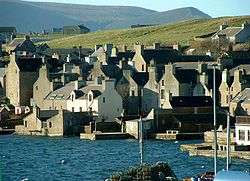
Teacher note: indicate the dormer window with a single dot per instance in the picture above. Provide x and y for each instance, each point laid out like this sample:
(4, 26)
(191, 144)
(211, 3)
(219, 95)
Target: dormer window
(142, 68)
(72, 98)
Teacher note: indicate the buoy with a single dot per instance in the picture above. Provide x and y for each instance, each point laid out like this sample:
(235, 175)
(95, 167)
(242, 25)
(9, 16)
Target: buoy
(25, 179)
(62, 161)
(176, 142)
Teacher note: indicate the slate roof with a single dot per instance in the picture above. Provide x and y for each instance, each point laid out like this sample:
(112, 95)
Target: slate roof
(141, 78)
(62, 93)
(243, 96)
(64, 52)
(29, 64)
(229, 31)
(111, 71)
(22, 45)
(186, 75)
(161, 56)
(191, 101)
(47, 114)
(128, 55)
(164, 56)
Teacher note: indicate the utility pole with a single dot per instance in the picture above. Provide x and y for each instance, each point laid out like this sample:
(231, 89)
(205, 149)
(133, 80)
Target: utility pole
(228, 139)
(141, 140)
(215, 123)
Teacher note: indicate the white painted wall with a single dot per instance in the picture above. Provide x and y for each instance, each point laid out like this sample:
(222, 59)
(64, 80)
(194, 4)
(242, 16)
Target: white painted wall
(245, 128)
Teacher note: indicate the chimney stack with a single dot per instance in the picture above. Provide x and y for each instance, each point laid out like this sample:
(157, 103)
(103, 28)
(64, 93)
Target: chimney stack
(139, 49)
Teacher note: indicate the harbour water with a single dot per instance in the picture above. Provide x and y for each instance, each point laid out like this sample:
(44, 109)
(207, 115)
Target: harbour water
(64, 159)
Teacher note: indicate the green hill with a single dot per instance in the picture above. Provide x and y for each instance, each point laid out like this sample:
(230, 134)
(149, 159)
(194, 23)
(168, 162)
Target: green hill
(182, 32)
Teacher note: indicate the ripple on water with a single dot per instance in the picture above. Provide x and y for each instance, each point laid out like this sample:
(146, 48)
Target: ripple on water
(40, 158)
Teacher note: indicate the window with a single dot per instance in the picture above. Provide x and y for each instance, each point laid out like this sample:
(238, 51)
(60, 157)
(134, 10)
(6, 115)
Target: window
(90, 97)
(50, 124)
(36, 87)
(162, 82)
(73, 109)
(80, 109)
(132, 93)
(248, 135)
(142, 68)
(162, 94)
(72, 98)
(232, 89)
(118, 109)
(103, 100)
(25, 124)
(242, 135)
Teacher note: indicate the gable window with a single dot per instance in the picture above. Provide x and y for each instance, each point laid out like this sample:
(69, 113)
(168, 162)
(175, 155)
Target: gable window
(162, 82)
(248, 135)
(103, 100)
(162, 94)
(142, 68)
(50, 124)
(80, 109)
(73, 109)
(36, 87)
(242, 135)
(25, 123)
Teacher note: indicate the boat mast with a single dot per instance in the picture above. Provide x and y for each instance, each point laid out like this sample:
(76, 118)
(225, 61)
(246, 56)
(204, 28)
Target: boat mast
(228, 139)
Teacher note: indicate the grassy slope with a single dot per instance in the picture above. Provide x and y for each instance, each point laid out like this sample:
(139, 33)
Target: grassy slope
(182, 32)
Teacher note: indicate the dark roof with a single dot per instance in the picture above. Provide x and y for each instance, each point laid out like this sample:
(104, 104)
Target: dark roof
(29, 64)
(241, 57)
(205, 118)
(164, 56)
(191, 101)
(141, 78)
(112, 71)
(64, 52)
(22, 45)
(161, 56)
(96, 93)
(128, 55)
(186, 75)
(46, 114)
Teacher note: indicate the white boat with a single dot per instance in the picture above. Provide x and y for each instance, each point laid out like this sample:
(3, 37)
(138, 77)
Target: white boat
(232, 176)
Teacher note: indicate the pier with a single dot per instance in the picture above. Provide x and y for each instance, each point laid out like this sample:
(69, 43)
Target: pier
(104, 136)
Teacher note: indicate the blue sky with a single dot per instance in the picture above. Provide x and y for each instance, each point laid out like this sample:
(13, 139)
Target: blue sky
(214, 8)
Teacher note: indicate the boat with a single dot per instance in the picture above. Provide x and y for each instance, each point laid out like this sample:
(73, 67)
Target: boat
(232, 176)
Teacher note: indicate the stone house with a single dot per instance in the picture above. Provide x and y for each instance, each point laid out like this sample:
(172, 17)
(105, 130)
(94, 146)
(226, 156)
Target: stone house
(150, 98)
(100, 99)
(21, 74)
(242, 130)
(51, 82)
(77, 29)
(178, 82)
(21, 45)
(232, 34)
(232, 84)
(52, 123)
(101, 72)
(142, 57)
(186, 114)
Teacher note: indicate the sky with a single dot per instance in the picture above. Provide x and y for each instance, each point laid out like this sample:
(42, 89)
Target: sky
(214, 8)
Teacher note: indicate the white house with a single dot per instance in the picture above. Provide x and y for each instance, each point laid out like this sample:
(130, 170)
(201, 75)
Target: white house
(242, 130)
(233, 34)
(101, 99)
